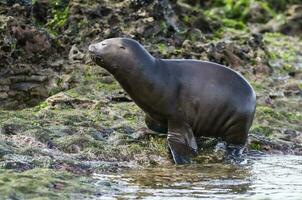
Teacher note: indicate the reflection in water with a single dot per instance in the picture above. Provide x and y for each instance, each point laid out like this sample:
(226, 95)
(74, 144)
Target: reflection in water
(266, 177)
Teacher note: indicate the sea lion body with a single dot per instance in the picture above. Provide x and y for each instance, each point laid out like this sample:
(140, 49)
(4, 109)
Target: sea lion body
(185, 98)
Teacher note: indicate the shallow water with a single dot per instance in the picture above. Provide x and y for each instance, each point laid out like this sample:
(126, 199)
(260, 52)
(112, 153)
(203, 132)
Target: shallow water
(263, 177)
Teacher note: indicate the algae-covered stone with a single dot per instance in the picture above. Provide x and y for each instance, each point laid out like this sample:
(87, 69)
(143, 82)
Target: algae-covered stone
(49, 184)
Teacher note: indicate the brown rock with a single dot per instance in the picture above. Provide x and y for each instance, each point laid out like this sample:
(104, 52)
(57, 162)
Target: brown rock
(30, 38)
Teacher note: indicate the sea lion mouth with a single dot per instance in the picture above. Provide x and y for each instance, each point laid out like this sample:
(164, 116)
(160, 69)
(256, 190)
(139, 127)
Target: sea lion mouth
(95, 58)
(93, 51)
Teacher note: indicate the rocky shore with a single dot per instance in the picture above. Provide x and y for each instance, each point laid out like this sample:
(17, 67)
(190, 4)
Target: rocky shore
(63, 118)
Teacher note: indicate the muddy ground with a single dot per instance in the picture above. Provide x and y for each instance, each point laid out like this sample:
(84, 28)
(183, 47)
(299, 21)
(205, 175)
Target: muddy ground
(63, 118)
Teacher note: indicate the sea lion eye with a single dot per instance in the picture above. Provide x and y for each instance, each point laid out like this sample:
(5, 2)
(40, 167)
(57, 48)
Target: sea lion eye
(122, 47)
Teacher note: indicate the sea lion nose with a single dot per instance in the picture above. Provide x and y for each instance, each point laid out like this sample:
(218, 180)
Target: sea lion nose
(92, 48)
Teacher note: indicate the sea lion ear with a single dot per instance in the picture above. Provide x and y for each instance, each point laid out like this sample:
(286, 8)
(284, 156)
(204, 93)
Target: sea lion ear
(122, 47)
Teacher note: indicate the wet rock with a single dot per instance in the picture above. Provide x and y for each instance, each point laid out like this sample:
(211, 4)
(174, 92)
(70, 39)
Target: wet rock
(273, 146)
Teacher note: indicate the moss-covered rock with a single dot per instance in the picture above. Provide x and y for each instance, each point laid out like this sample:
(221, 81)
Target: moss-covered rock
(43, 183)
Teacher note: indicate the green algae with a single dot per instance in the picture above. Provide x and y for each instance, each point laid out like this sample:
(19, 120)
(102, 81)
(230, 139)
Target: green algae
(256, 146)
(75, 143)
(233, 24)
(268, 113)
(42, 184)
(283, 51)
(263, 130)
(60, 13)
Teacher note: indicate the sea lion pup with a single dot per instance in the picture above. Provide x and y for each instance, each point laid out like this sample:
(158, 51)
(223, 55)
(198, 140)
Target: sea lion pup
(184, 98)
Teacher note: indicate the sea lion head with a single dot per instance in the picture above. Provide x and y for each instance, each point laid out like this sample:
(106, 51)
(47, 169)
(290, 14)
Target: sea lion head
(118, 54)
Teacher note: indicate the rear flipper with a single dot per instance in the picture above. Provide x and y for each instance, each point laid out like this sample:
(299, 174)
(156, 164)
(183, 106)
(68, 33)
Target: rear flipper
(235, 153)
(181, 142)
(235, 150)
(236, 139)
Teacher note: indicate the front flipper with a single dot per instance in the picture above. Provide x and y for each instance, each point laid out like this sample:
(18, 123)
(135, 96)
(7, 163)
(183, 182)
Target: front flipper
(155, 125)
(181, 142)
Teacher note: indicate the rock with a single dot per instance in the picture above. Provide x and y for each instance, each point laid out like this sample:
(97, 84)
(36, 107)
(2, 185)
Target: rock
(25, 74)
(4, 148)
(20, 2)
(274, 95)
(258, 13)
(118, 139)
(227, 54)
(3, 95)
(25, 86)
(107, 79)
(141, 134)
(262, 69)
(74, 148)
(64, 101)
(75, 54)
(9, 129)
(4, 88)
(203, 24)
(31, 39)
(293, 25)
(4, 81)
(123, 129)
(17, 165)
(292, 89)
(27, 78)
(195, 35)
